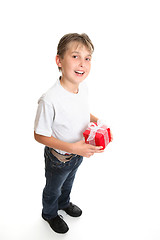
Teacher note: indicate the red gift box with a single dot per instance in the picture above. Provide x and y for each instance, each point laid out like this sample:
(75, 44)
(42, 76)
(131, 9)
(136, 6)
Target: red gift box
(97, 134)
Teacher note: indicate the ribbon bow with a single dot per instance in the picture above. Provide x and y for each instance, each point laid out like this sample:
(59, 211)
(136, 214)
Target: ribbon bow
(94, 128)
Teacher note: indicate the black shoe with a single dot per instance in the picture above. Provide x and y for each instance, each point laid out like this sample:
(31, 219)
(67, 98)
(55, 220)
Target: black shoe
(57, 224)
(73, 210)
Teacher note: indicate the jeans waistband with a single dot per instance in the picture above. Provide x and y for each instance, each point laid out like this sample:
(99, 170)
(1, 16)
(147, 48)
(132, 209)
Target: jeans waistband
(61, 157)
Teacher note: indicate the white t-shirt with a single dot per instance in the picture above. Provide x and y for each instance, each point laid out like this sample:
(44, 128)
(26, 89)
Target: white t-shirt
(62, 114)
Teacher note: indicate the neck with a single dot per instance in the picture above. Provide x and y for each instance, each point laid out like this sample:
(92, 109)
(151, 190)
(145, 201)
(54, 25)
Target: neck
(69, 86)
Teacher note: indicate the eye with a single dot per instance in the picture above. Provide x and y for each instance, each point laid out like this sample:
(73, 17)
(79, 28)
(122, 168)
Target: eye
(75, 56)
(88, 59)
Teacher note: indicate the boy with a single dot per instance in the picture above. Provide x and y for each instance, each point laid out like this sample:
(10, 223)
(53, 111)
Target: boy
(62, 116)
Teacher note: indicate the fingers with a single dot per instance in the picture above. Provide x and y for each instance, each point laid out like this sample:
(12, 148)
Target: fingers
(95, 149)
(90, 154)
(111, 136)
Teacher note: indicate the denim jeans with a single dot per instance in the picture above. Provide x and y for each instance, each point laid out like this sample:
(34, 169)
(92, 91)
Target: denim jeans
(59, 181)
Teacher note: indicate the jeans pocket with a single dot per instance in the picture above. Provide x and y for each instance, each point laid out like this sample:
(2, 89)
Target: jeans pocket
(52, 162)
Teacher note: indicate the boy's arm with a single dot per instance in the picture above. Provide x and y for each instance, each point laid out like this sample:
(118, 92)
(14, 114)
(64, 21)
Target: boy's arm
(79, 148)
(93, 118)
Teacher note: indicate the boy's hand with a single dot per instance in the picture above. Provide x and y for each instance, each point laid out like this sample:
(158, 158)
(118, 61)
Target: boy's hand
(85, 150)
(111, 136)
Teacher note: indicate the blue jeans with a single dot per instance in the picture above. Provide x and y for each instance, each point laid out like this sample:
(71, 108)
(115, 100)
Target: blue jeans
(59, 181)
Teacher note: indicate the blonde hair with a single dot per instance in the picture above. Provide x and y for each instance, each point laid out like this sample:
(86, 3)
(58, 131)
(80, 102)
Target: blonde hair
(73, 37)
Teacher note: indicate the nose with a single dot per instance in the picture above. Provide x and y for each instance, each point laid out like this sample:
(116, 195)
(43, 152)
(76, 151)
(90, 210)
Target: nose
(82, 63)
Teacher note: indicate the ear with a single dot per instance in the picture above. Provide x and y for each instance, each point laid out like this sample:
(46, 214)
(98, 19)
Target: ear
(58, 61)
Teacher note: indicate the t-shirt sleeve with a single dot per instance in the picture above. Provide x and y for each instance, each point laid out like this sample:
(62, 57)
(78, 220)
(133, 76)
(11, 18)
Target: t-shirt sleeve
(44, 119)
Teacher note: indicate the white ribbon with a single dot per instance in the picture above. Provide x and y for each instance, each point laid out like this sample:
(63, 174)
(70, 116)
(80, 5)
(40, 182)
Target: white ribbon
(94, 128)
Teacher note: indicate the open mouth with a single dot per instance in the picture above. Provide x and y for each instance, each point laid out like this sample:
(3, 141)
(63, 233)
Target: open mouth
(80, 73)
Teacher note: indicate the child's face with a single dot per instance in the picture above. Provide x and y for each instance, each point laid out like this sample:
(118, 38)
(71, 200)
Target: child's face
(76, 63)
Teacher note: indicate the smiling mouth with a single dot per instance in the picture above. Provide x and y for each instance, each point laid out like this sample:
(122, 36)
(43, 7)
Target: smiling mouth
(79, 72)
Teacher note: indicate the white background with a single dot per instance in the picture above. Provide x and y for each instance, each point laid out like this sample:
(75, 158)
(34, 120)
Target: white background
(119, 190)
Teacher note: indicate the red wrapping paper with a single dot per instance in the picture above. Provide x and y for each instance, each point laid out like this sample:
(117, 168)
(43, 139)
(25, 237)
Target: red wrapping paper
(102, 135)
